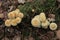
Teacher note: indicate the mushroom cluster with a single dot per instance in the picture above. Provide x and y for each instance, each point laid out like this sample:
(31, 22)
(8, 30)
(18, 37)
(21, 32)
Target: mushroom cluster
(14, 18)
(41, 21)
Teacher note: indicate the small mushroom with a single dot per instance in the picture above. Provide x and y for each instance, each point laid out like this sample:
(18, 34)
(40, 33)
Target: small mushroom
(51, 16)
(51, 19)
(58, 34)
(1, 15)
(0, 3)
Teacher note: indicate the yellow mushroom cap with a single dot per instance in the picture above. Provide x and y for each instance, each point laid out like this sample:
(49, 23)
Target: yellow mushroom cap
(42, 13)
(11, 15)
(45, 24)
(20, 15)
(37, 16)
(35, 22)
(13, 22)
(53, 26)
(42, 17)
(16, 14)
(17, 10)
(18, 20)
(8, 23)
